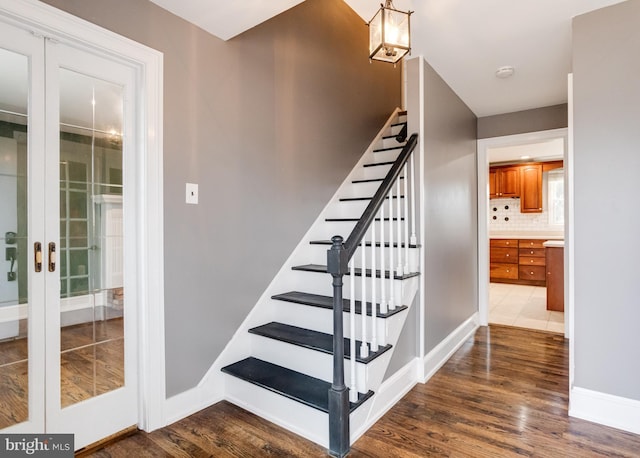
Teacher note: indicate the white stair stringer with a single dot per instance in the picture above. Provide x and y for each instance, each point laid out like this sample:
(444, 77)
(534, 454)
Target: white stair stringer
(299, 418)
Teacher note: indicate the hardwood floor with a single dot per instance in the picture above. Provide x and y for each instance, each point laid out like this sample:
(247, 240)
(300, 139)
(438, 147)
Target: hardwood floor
(92, 363)
(503, 394)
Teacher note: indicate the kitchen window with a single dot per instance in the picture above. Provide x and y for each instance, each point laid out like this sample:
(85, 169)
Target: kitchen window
(555, 195)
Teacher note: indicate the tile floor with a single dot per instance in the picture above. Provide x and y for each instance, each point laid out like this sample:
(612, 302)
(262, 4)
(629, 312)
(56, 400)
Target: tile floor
(523, 306)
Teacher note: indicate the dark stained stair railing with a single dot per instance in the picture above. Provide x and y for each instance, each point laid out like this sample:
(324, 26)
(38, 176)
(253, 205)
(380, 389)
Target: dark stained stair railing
(340, 262)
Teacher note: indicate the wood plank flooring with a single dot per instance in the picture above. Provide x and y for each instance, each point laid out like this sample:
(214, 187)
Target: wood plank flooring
(503, 394)
(91, 363)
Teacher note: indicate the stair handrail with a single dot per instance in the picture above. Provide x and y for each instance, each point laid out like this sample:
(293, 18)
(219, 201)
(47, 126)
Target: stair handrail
(361, 227)
(338, 258)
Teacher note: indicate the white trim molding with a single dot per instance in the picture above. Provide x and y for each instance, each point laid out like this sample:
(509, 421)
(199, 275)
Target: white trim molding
(605, 409)
(437, 357)
(390, 392)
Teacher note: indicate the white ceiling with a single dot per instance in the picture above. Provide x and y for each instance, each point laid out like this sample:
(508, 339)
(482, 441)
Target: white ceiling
(465, 41)
(539, 151)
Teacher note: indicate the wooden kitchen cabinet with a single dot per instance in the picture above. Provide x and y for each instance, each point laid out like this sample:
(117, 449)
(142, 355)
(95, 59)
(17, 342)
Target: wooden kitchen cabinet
(503, 257)
(517, 261)
(504, 182)
(555, 278)
(531, 188)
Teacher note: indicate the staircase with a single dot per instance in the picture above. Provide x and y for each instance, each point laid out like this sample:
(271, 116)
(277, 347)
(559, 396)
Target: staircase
(286, 358)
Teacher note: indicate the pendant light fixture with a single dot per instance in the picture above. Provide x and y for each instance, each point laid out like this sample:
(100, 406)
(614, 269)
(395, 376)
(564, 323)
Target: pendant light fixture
(389, 34)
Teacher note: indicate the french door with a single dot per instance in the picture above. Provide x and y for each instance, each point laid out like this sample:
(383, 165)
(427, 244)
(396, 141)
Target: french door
(68, 344)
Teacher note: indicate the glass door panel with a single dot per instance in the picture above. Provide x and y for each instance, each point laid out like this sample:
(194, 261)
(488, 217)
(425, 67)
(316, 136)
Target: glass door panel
(14, 310)
(91, 238)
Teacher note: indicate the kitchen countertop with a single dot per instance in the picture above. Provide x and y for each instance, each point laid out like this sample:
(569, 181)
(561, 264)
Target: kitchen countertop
(534, 235)
(553, 244)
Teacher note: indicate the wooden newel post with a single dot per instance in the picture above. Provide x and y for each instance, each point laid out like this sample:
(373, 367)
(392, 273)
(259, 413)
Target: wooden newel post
(339, 440)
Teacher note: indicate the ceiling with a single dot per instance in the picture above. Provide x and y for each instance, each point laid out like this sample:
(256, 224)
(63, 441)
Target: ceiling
(547, 150)
(465, 41)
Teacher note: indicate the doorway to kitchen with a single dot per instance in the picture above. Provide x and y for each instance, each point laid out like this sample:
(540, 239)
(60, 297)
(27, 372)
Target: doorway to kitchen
(521, 213)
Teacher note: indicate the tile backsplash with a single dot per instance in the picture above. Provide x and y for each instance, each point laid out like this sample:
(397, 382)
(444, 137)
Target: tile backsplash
(508, 217)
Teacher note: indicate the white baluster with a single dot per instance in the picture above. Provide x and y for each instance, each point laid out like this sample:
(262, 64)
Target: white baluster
(353, 388)
(414, 239)
(364, 349)
(374, 330)
(382, 281)
(392, 302)
(406, 220)
(399, 267)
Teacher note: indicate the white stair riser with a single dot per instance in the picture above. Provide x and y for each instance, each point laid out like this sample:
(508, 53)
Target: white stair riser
(312, 362)
(384, 156)
(355, 208)
(368, 173)
(321, 283)
(390, 143)
(319, 256)
(320, 319)
(292, 415)
(367, 188)
(344, 228)
(394, 130)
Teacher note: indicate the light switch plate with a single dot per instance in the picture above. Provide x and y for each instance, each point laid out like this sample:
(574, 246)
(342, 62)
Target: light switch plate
(192, 193)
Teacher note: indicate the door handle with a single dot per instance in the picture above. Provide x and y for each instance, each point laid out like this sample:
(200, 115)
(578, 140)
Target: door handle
(52, 257)
(37, 256)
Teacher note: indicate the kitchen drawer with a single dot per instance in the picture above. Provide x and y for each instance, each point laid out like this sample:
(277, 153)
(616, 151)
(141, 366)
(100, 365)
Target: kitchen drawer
(504, 255)
(501, 270)
(533, 252)
(531, 243)
(503, 243)
(530, 261)
(532, 273)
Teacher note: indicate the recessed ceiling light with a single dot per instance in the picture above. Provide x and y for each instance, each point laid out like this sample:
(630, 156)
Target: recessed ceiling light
(504, 72)
(525, 157)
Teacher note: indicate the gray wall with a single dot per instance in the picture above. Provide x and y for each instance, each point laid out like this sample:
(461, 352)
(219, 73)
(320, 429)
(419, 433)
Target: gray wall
(520, 122)
(607, 222)
(269, 124)
(450, 279)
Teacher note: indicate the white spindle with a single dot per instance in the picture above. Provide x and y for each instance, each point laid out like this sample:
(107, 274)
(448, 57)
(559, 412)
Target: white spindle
(353, 388)
(406, 217)
(364, 349)
(383, 282)
(414, 239)
(392, 302)
(399, 267)
(374, 330)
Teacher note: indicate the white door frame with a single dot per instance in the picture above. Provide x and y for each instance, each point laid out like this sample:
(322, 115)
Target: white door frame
(50, 22)
(483, 217)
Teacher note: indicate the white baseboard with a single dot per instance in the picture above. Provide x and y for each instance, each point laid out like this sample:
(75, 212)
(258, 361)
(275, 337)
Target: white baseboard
(187, 403)
(605, 409)
(436, 358)
(390, 392)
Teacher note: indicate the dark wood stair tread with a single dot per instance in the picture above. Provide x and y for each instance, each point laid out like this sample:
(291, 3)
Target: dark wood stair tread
(376, 164)
(313, 340)
(371, 180)
(386, 244)
(398, 124)
(316, 300)
(389, 148)
(323, 269)
(347, 220)
(352, 199)
(299, 387)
